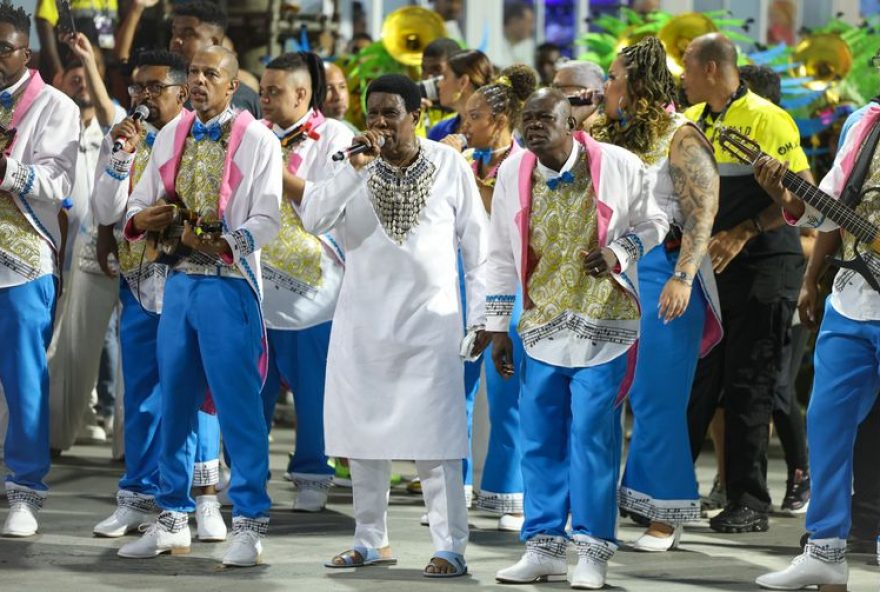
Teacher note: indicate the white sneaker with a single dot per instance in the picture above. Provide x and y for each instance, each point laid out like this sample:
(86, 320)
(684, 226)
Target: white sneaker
(423, 520)
(311, 494)
(21, 521)
(158, 538)
(809, 569)
(511, 523)
(209, 521)
(246, 548)
(121, 522)
(593, 556)
(91, 434)
(543, 561)
(652, 544)
(24, 507)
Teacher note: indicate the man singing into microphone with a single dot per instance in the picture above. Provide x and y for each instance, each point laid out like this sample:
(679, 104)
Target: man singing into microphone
(159, 88)
(395, 387)
(221, 165)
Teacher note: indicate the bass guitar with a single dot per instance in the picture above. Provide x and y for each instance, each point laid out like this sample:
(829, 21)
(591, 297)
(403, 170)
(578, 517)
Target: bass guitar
(866, 264)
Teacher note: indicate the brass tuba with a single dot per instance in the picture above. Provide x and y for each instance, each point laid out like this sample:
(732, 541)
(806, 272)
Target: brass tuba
(407, 31)
(824, 57)
(678, 33)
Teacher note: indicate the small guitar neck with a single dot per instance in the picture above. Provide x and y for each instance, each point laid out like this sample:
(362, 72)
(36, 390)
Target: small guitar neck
(840, 213)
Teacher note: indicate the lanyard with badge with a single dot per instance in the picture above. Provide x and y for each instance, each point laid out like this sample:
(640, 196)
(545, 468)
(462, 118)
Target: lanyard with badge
(740, 92)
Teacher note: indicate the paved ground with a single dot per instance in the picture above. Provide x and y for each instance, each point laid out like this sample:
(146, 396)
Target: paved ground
(66, 557)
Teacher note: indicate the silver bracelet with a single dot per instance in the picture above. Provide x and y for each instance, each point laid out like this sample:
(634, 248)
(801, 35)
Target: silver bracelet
(683, 277)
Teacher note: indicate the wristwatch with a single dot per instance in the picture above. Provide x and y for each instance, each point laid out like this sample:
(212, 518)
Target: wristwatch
(683, 277)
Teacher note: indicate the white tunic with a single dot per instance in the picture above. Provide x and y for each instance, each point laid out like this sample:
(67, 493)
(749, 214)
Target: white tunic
(395, 380)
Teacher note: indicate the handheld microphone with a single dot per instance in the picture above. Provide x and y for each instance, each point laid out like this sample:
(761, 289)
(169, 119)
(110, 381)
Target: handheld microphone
(358, 148)
(140, 113)
(463, 139)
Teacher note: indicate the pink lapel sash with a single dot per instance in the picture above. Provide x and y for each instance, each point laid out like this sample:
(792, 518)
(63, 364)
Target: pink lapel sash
(34, 87)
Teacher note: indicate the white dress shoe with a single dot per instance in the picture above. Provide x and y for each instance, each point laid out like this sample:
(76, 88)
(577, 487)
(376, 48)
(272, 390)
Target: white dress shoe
(121, 522)
(209, 521)
(511, 523)
(247, 547)
(158, 538)
(21, 521)
(805, 570)
(311, 494)
(593, 556)
(652, 544)
(543, 561)
(423, 520)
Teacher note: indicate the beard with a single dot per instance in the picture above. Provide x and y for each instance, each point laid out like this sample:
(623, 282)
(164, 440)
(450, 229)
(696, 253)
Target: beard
(83, 102)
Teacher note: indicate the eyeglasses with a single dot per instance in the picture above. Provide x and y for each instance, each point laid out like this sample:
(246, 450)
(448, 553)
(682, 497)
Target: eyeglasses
(8, 50)
(154, 88)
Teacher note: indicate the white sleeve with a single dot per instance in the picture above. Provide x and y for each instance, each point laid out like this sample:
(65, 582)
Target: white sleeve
(472, 230)
(264, 218)
(501, 275)
(112, 184)
(323, 204)
(835, 178)
(648, 224)
(48, 175)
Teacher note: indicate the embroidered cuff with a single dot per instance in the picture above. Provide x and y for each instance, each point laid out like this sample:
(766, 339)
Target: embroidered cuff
(19, 177)
(257, 525)
(549, 546)
(241, 242)
(499, 308)
(173, 521)
(593, 548)
(136, 501)
(628, 249)
(119, 166)
(316, 482)
(16, 494)
(812, 218)
(830, 550)
(206, 473)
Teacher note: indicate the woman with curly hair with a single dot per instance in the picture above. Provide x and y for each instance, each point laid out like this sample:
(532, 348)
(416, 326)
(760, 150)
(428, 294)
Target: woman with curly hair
(680, 314)
(488, 121)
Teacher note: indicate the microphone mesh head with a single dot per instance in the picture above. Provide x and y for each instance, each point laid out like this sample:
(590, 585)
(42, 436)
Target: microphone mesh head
(142, 111)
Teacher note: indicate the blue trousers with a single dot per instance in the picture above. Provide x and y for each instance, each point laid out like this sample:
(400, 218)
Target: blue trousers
(210, 336)
(300, 358)
(502, 472)
(140, 374)
(845, 388)
(659, 481)
(26, 318)
(571, 440)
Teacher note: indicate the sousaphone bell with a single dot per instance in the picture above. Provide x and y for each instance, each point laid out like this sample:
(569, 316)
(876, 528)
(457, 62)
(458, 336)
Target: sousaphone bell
(407, 31)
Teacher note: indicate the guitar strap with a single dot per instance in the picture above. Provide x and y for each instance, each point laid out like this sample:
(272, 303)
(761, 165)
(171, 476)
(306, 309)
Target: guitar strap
(853, 191)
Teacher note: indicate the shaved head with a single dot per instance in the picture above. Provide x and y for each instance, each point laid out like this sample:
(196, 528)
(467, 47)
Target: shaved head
(551, 100)
(715, 47)
(228, 59)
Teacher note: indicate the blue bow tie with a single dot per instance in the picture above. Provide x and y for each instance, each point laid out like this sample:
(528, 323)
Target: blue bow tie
(6, 100)
(483, 155)
(566, 177)
(200, 131)
(151, 137)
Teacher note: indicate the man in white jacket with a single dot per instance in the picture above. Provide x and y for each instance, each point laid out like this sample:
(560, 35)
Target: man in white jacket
(221, 165)
(570, 219)
(36, 173)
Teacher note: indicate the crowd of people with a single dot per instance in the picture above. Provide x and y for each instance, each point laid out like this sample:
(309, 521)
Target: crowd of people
(582, 239)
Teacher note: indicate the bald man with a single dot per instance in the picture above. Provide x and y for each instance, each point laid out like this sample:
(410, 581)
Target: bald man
(759, 264)
(221, 165)
(579, 325)
(336, 103)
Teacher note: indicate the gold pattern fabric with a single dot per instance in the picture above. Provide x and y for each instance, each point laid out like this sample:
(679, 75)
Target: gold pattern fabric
(868, 208)
(18, 238)
(294, 251)
(131, 254)
(661, 147)
(564, 224)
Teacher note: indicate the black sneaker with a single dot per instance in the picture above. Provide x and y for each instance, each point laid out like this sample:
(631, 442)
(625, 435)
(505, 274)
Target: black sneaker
(736, 518)
(712, 504)
(797, 494)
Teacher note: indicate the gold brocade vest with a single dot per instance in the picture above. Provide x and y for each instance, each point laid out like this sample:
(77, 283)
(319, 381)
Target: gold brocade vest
(868, 208)
(131, 254)
(563, 224)
(661, 146)
(294, 251)
(19, 241)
